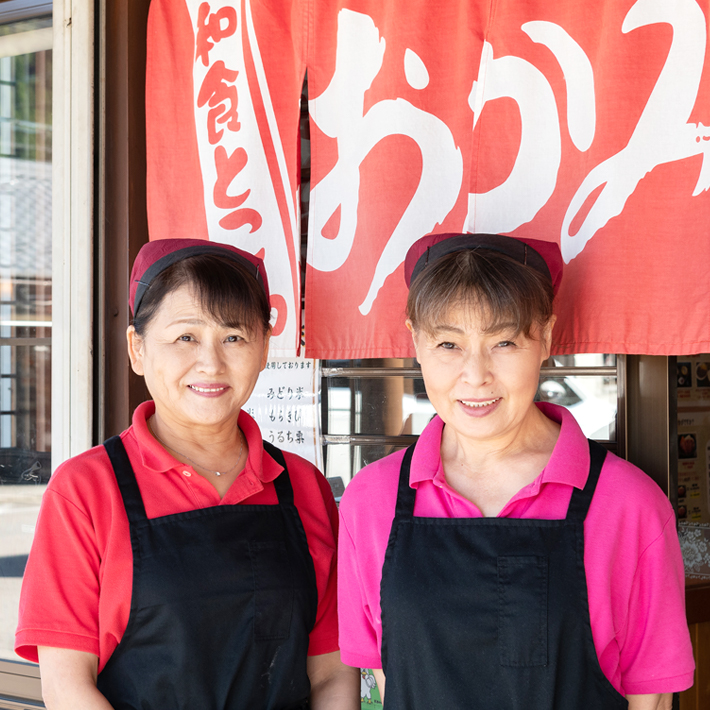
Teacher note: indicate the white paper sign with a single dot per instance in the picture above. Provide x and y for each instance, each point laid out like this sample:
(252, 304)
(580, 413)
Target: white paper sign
(285, 405)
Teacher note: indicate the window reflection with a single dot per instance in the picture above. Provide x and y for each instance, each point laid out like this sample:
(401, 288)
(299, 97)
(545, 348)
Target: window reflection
(25, 298)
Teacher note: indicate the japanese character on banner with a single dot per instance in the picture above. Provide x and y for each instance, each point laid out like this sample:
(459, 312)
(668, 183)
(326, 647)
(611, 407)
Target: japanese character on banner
(248, 196)
(582, 124)
(220, 94)
(213, 26)
(577, 160)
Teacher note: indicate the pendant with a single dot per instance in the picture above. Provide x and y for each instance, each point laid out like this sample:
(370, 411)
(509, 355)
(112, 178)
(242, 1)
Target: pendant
(217, 473)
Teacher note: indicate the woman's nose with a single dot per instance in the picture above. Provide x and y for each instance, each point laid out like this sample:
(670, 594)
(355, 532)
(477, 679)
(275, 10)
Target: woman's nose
(476, 369)
(210, 358)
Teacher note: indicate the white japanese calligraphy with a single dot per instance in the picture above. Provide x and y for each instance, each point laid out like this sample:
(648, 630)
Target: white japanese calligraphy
(248, 202)
(339, 113)
(662, 134)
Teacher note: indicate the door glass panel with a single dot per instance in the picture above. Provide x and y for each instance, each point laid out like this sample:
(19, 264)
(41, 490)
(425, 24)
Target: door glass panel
(391, 404)
(25, 298)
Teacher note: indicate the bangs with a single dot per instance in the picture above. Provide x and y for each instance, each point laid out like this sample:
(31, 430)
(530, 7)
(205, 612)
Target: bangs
(487, 285)
(224, 288)
(234, 300)
(464, 306)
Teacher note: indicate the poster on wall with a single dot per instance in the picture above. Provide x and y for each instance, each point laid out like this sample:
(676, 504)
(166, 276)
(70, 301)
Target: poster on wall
(694, 381)
(693, 466)
(693, 375)
(285, 405)
(586, 124)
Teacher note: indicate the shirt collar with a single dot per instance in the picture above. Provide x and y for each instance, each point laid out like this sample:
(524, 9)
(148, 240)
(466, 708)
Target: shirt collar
(568, 464)
(155, 458)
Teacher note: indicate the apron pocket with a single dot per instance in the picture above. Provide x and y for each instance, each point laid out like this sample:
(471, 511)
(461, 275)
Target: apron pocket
(273, 590)
(522, 610)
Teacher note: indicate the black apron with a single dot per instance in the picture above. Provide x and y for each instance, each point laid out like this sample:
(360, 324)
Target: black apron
(490, 613)
(223, 601)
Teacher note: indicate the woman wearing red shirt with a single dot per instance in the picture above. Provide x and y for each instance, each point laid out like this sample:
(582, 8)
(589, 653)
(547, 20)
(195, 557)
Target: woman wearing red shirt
(184, 564)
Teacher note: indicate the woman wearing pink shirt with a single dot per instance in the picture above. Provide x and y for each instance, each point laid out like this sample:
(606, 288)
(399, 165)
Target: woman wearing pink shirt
(504, 561)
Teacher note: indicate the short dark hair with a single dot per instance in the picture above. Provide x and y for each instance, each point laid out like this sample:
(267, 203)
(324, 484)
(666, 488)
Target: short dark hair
(506, 292)
(224, 288)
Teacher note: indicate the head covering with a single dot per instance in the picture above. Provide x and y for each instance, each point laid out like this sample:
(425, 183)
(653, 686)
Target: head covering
(157, 255)
(544, 257)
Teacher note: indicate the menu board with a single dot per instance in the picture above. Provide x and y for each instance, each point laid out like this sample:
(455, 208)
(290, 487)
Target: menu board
(693, 375)
(694, 381)
(693, 459)
(285, 404)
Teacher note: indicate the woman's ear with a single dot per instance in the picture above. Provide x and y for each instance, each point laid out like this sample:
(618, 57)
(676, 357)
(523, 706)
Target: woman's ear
(414, 332)
(546, 337)
(265, 354)
(135, 350)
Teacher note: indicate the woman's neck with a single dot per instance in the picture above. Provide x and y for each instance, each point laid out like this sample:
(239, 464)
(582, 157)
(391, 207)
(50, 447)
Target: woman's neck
(218, 456)
(490, 472)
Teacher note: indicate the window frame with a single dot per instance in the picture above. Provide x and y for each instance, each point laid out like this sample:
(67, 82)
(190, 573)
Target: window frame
(72, 257)
(14, 10)
(72, 228)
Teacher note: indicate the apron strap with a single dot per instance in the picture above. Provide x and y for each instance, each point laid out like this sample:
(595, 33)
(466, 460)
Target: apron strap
(282, 483)
(405, 493)
(581, 499)
(294, 524)
(126, 479)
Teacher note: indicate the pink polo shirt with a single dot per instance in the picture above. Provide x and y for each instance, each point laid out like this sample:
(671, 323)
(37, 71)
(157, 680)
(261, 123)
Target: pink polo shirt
(632, 558)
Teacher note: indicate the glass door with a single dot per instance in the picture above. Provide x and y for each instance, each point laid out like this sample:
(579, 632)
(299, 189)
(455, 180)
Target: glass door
(25, 308)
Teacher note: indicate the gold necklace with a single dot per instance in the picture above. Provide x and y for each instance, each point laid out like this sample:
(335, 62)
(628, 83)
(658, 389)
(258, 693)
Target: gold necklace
(194, 463)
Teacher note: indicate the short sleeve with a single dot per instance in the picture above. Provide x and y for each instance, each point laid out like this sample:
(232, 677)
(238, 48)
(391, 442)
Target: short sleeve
(324, 636)
(366, 513)
(59, 602)
(656, 639)
(359, 645)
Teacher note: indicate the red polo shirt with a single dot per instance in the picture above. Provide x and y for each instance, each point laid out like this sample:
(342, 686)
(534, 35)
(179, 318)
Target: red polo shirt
(76, 591)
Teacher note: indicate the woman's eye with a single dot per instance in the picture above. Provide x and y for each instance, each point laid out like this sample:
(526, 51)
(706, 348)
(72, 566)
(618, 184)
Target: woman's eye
(185, 338)
(233, 338)
(506, 344)
(446, 345)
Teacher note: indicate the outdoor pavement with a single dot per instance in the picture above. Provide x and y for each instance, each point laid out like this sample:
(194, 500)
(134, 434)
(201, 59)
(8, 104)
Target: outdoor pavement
(19, 506)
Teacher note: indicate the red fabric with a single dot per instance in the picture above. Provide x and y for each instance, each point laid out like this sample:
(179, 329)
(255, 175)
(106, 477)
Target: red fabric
(81, 559)
(223, 104)
(176, 206)
(581, 124)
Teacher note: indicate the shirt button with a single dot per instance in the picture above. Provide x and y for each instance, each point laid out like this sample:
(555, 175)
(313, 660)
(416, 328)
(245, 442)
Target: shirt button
(186, 473)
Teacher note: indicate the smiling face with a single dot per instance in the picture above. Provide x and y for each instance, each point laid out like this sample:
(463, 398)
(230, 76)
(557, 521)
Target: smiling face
(481, 381)
(199, 372)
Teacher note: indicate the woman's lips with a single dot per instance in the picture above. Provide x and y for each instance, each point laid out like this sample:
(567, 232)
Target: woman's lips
(479, 407)
(207, 390)
(478, 404)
